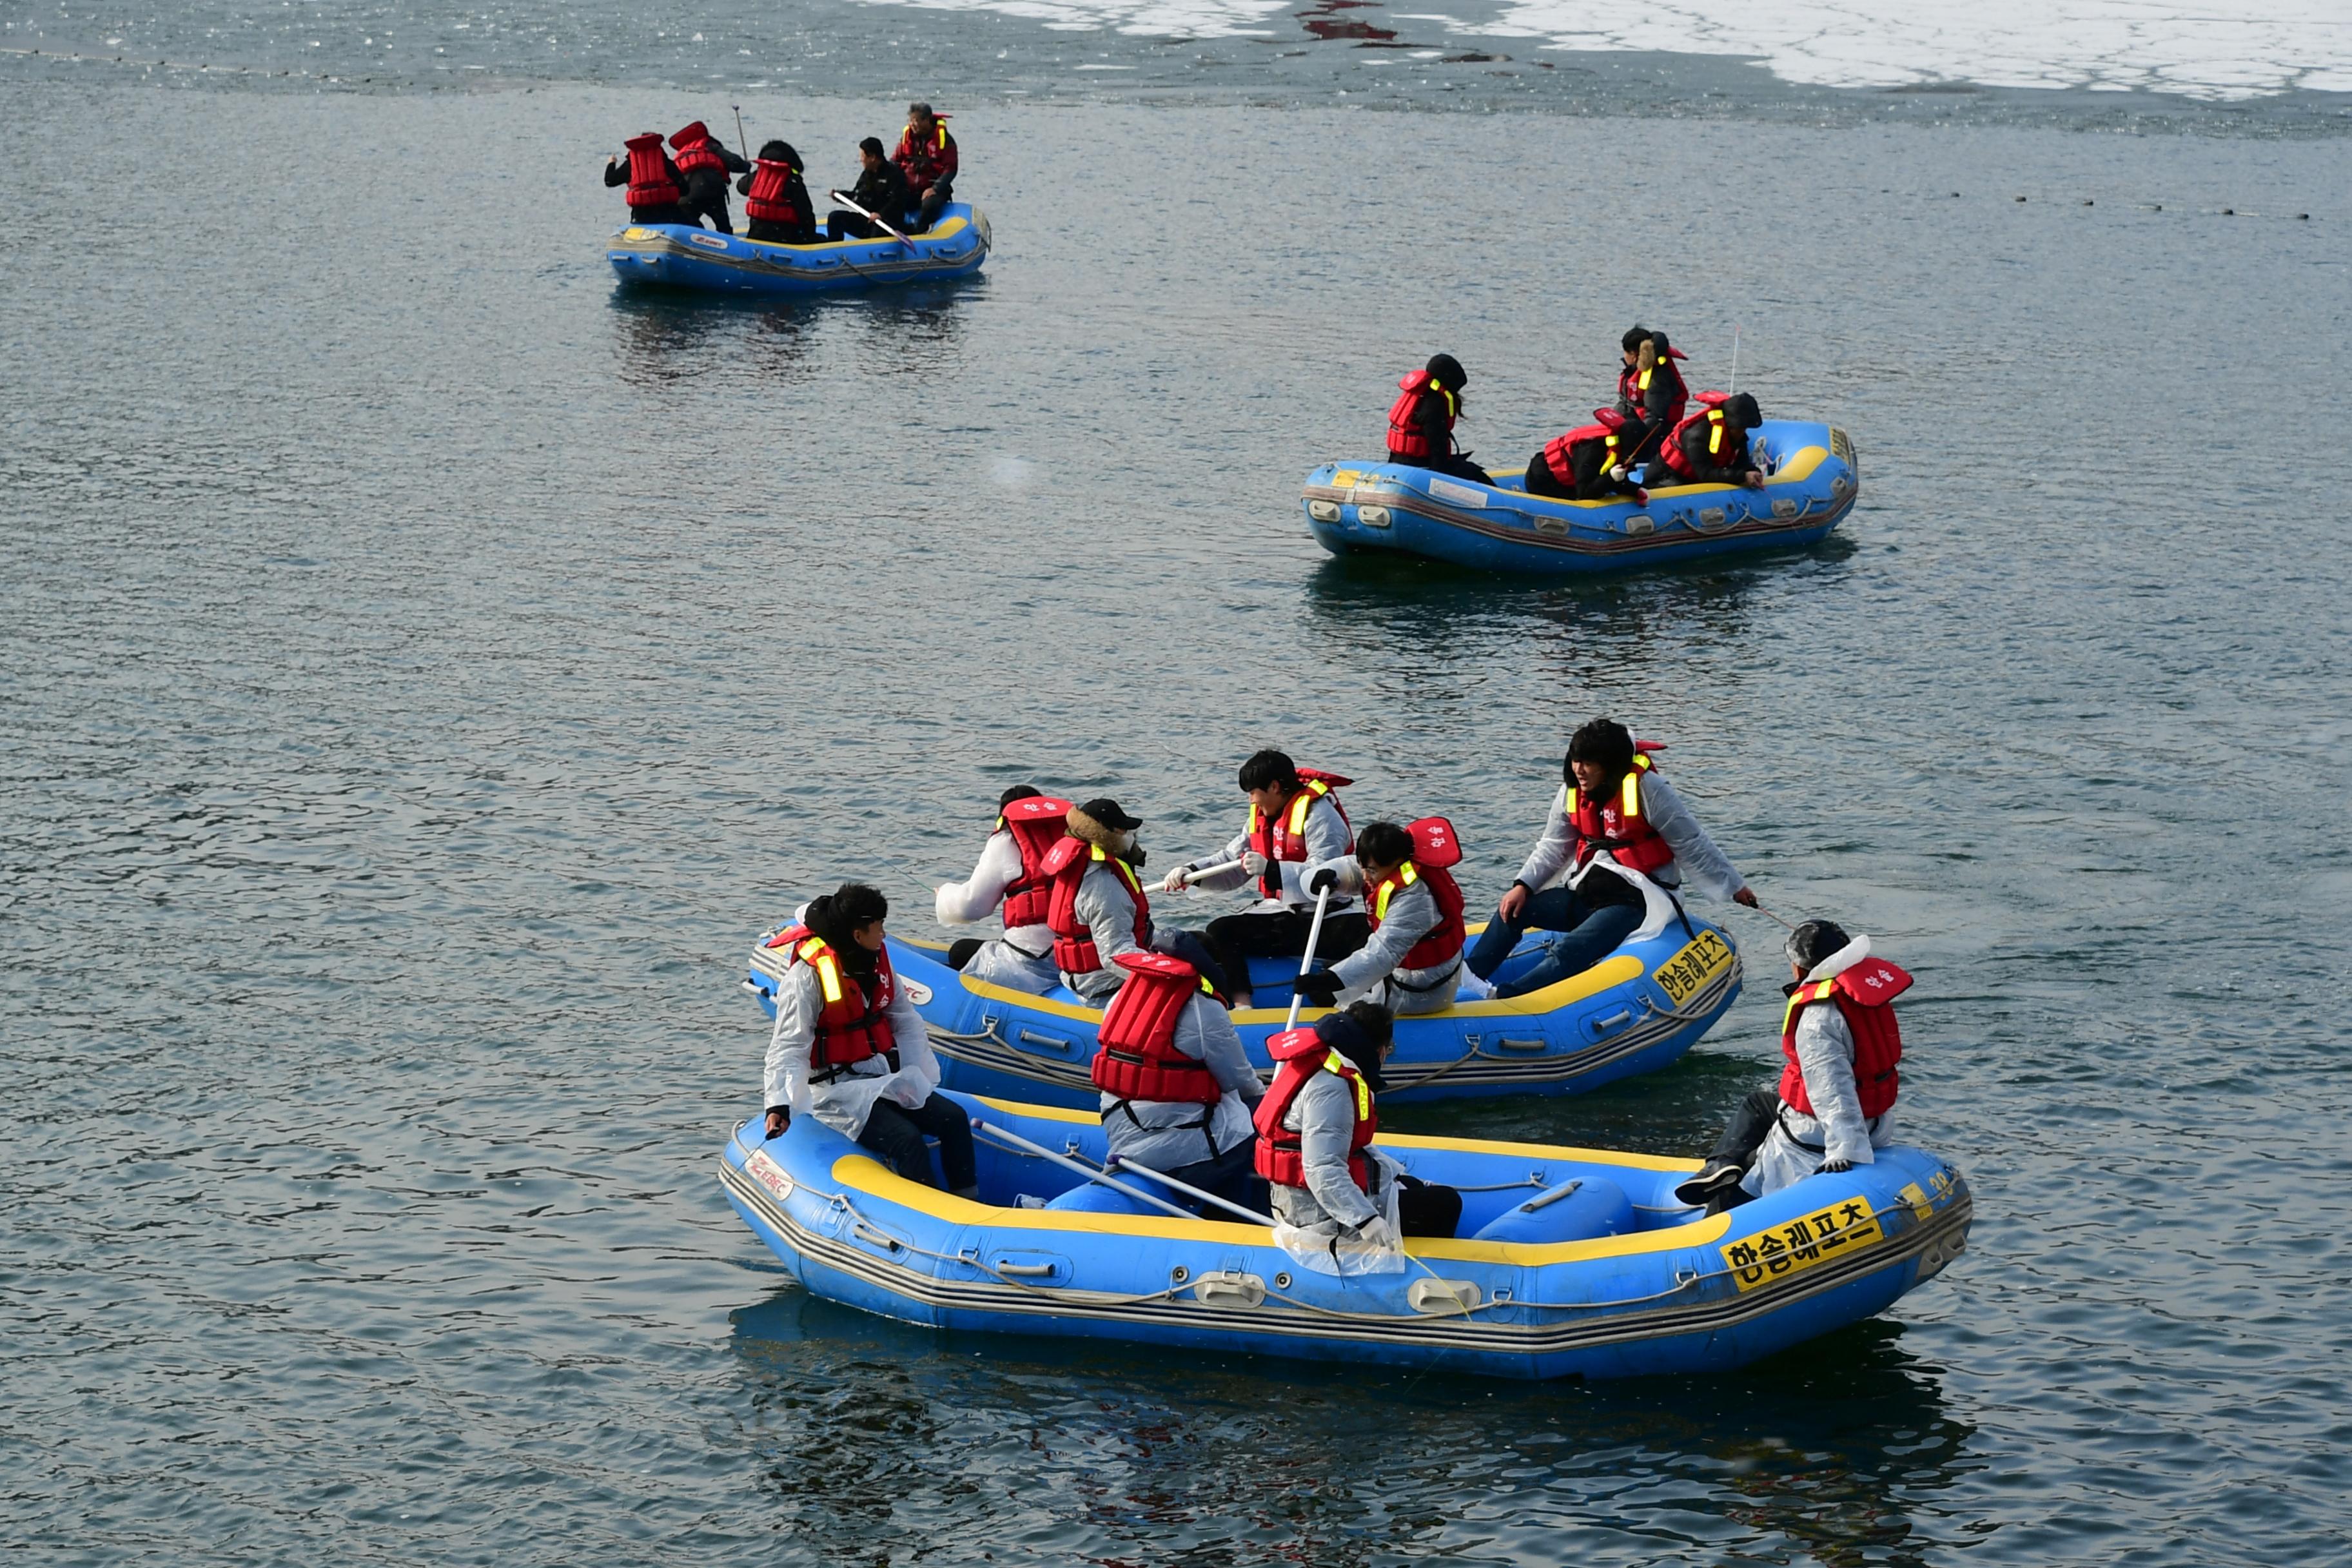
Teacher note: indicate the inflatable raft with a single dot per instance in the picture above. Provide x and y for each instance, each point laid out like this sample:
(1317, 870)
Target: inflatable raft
(680, 256)
(1635, 1012)
(1811, 483)
(1587, 1266)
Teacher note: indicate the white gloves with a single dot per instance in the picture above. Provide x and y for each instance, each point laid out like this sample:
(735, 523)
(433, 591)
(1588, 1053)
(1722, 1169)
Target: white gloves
(1254, 863)
(1174, 883)
(1375, 1231)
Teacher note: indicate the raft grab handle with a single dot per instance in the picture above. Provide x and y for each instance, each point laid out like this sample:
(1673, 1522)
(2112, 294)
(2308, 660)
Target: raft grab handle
(1543, 1200)
(1504, 1043)
(1051, 1042)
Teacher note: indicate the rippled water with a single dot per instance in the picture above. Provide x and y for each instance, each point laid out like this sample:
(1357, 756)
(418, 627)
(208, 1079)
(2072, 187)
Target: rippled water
(424, 668)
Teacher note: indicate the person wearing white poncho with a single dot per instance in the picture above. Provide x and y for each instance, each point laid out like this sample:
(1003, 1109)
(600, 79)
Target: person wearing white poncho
(1010, 876)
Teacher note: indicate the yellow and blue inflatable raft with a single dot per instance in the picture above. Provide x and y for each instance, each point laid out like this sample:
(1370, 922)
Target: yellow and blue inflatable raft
(684, 256)
(1573, 1262)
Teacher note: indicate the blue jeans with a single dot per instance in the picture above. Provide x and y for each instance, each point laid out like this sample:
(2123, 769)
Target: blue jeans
(1590, 934)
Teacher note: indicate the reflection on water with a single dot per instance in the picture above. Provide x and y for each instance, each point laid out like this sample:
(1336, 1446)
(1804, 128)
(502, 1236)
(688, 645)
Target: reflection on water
(1830, 1449)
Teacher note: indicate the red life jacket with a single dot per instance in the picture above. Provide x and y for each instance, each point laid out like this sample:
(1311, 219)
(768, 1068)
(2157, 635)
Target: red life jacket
(1138, 1059)
(1633, 387)
(929, 163)
(1616, 824)
(1721, 440)
(1408, 442)
(770, 198)
(852, 1027)
(695, 150)
(650, 184)
(1864, 994)
(1435, 847)
(1073, 945)
(1298, 1055)
(1557, 451)
(1283, 836)
(1035, 823)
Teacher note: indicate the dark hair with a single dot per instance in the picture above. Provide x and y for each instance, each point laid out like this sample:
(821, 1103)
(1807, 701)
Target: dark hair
(1269, 770)
(1358, 1031)
(1447, 372)
(836, 916)
(1633, 338)
(918, 108)
(1604, 743)
(857, 904)
(779, 153)
(871, 144)
(1384, 843)
(1017, 792)
(1376, 1022)
(1813, 942)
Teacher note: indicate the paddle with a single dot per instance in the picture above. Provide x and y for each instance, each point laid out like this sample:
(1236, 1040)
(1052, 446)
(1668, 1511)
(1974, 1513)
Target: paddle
(1095, 1176)
(1307, 959)
(743, 140)
(1189, 877)
(872, 219)
(1187, 1189)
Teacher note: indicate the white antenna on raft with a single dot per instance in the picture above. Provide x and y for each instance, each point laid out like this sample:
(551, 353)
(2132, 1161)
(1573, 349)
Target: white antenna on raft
(1734, 356)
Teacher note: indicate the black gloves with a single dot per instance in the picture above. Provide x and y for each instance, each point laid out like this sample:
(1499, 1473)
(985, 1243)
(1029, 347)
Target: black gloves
(1836, 1167)
(1320, 987)
(1323, 881)
(779, 1118)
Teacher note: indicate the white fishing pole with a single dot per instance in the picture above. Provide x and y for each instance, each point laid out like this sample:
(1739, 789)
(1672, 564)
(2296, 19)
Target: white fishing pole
(1307, 959)
(1119, 1162)
(1734, 356)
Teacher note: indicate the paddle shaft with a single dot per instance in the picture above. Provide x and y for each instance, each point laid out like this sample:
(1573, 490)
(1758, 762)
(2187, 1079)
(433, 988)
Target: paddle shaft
(743, 140)
(1307, 959)
(1217, 870)
(1190, 1190)
(1067, 1164)
(872, 218)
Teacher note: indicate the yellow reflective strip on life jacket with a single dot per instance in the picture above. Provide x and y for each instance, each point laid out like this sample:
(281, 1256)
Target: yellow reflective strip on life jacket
(1644, 383)
(1406, 875)
(1805, 997)
(1567, 801)
(1339, 1066)
(1714, 431)
(1629, 805)
(1298, 810)
(828, 974)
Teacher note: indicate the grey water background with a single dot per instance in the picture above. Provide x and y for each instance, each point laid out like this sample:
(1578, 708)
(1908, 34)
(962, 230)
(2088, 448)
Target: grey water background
(425, 669)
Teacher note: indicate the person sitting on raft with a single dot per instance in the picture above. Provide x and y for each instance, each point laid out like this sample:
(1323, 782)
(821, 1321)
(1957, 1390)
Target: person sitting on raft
(1421, 421)
(1314, 1130)
(1011, 875)
(926, 160)
(1650, 395)
(1177, 1090)
(1591, 462)
(654, 184)
(1833, 1107)
(1710, 446)
(1611, 807)
(849, 1047)
(1098, 909)
(776, 200)
(1295, 820)
(1415, 910)
(880, 190)
(706, 162)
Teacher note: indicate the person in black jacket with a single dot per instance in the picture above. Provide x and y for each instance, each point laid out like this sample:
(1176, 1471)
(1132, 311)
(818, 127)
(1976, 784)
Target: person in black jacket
(880, 189)
(706, 162)
(776, 199)
(1651, 396)
(1710, 446)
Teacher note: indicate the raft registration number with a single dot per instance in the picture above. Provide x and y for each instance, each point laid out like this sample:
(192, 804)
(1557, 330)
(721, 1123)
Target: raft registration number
(1686, 974)
(1801, 1244)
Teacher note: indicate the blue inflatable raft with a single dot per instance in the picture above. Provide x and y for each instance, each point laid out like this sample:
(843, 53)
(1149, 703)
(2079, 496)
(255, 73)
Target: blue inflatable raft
(1810, 484)
(1636, 1011)
(1587, 1266)
(680, 256)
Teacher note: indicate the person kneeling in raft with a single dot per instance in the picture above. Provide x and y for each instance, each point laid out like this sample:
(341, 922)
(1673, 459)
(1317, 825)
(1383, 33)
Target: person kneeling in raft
(1414, 908)
(1177, 1089)
(850, 1048)
(1833, 1107)
(1295, 821)
(1099, 910)
(1315, 1129)
(1611, 806)
(1011, 874)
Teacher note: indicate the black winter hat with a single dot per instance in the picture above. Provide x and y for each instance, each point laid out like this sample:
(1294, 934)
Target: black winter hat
(1447, 372)
(1740, 409)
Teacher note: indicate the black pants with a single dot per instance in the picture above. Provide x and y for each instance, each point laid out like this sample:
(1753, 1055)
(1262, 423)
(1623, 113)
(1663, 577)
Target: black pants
(1237, 939)
(1460, 467)
(1542, 482)
(896, 1134)
(1749, 1126)
(1424, 1208)
(668, 211)
(842, 224)
(1232, 1176)
(781, 233)
(925, 212)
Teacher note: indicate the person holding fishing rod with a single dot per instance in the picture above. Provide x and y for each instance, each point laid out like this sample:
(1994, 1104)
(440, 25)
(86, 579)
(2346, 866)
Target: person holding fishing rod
(1177, 1090)
(880, 190)
(1412, 907)
(1295, 821)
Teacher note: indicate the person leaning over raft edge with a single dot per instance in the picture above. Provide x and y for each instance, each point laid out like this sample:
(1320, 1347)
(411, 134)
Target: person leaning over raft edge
(849, 1047)
(1314, 1131)
(706, 163)
(1613, 804)
(1421, 421)
(1833, 1107)
(1176, 1088)
(1588, 463)
(1710, 446)
(1295, 820)
(1011, 873)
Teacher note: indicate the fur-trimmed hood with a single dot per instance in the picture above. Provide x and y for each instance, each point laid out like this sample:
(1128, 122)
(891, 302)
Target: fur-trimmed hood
(1109, 840)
